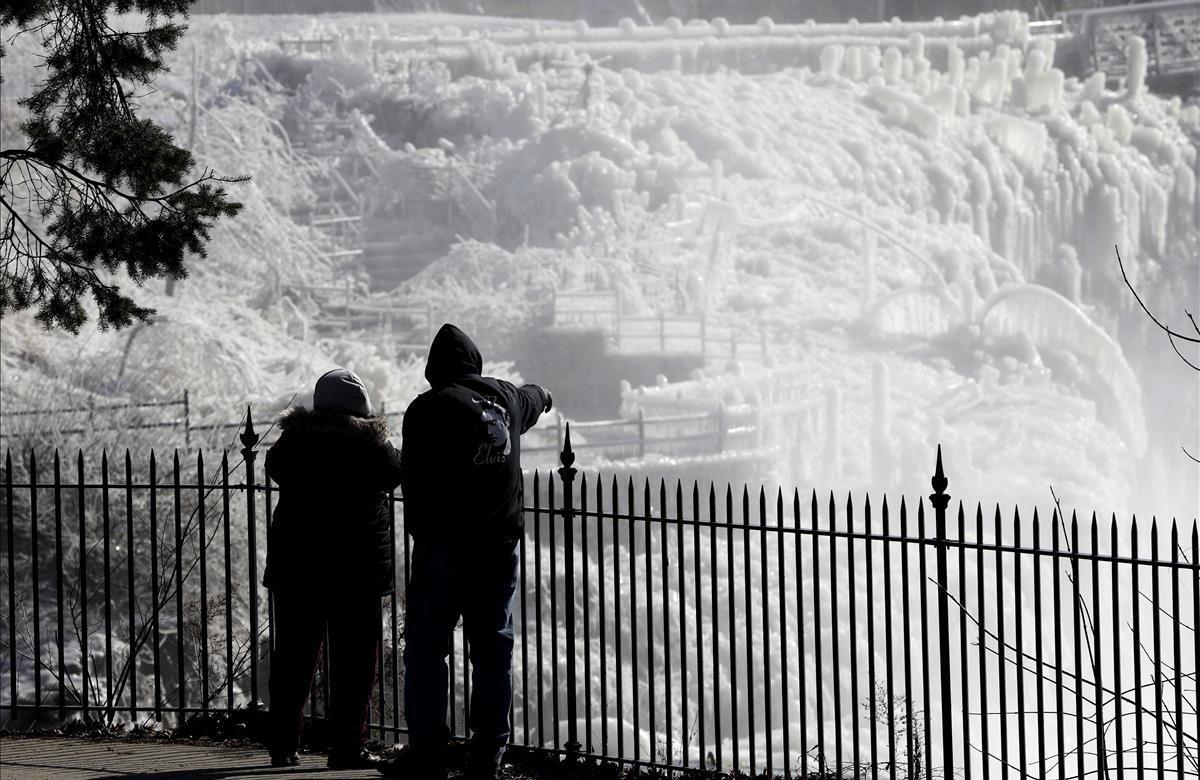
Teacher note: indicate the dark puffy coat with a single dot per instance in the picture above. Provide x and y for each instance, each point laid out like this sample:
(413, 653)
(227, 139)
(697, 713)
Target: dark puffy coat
(331, 527)
(461, 450)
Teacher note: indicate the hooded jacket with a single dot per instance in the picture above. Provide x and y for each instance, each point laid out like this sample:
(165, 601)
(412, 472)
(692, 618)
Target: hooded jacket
(461, 451)
(332, 526)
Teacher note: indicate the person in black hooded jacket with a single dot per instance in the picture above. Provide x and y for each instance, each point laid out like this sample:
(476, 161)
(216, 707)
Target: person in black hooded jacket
(329, 560)
(463, 507)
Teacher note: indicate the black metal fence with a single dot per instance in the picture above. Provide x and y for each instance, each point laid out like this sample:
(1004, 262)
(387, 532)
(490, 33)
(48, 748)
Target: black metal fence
(675, 626)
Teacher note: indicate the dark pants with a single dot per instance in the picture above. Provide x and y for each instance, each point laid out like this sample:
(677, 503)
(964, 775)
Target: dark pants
(476, 582)
(301, 620)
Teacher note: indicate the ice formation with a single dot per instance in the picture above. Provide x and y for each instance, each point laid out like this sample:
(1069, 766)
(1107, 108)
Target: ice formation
(656, 161)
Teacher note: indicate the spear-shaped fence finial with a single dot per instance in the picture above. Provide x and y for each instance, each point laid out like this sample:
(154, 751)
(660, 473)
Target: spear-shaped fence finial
(567, 456)
(939, 481)
(249, 437)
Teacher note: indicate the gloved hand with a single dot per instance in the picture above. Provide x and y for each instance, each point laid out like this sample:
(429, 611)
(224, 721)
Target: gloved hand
(549, 401)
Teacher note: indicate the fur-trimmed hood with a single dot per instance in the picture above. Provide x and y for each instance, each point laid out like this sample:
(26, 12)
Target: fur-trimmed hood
(301, 420)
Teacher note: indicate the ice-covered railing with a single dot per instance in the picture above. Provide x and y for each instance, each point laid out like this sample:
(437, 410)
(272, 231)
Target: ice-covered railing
(712, 338)
(1002, 27)
(748, 48)
(784, 407)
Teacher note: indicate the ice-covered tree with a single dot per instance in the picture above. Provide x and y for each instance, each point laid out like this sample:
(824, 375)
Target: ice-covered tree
(96, 197)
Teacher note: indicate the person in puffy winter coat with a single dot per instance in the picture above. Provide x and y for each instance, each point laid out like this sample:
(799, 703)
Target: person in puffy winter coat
(463, 507)
(329, 561)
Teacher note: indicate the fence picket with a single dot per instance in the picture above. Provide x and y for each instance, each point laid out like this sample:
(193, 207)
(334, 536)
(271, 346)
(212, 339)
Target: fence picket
(601, 617)
(730, 604)
(1098, 651)
(58, 588)
(981, 602)
(202, 519)
(156, 606)
(107, 537)
(1177, 651)
(749, 616)
(180, 666)
(851, 579)
(1076, 630)
(130, 558)
(1058, 647)
(537, 576)
(635, 685)
(666, 617)
(35, 590)
(783, 643)
(1037, 643)
(923, 584)
(887, 634)
(1019, 642)
(249, 441)
(716, 645)
(699, 611)
(906, 617)
(585, 559)
(554, 622)
(873, 707)
(648, 563)
(816, 580)
(1156, 621)
(1118, 691)
(228, 592)
(681, 608)
(1196, 629)
(618, 626)
(963, 662)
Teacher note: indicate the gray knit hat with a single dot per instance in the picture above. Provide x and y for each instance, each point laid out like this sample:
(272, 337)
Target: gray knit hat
(341, 391)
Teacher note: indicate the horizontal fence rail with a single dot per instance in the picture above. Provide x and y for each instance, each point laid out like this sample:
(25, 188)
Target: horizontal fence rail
(718, 430)
(698, 625)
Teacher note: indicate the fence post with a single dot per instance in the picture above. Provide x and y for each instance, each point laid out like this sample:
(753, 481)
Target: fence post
(641, 433)
(249, 442)
(187, 419)
(567, 474)
(940, 499)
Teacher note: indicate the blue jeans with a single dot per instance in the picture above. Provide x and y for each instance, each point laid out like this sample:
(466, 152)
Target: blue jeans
(475, 582)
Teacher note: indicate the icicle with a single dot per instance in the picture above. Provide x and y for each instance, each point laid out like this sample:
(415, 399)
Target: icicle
(1135, 59)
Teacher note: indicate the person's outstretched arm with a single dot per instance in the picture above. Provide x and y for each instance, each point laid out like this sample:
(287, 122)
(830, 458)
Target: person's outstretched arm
(532, 402)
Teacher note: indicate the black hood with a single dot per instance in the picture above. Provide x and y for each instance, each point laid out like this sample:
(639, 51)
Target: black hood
(452, 355)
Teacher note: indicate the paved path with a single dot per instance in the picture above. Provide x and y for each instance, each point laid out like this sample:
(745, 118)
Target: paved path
(44, 758)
